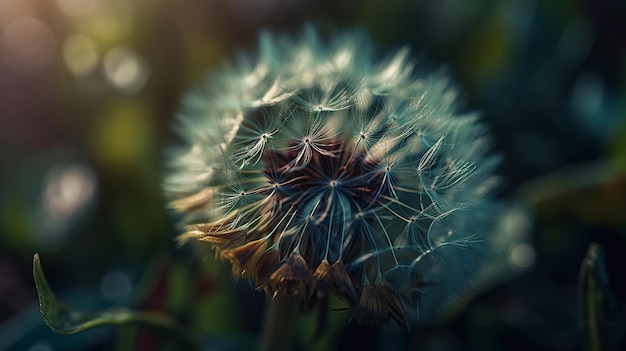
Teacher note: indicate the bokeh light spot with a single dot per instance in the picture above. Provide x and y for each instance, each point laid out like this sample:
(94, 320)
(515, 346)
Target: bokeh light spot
(111, 20)
(68, 191)
(587, 101)
(27, 45)
(80, 55)
(125, 70)
(522, 256)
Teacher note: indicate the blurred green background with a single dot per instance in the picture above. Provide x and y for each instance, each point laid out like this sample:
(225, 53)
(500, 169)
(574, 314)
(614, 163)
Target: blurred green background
(88, 92)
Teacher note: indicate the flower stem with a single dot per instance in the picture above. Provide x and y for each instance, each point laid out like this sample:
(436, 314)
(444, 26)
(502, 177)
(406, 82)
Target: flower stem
(277, 322)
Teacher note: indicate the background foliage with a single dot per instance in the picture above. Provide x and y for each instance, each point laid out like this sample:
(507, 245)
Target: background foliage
(88, 91)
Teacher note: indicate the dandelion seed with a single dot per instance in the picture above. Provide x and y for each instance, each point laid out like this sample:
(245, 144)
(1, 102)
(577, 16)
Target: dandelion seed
(317, 169)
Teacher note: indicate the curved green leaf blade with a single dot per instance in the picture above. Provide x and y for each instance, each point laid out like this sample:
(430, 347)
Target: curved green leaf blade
(596, 301)
(65, 319)
(61, 318)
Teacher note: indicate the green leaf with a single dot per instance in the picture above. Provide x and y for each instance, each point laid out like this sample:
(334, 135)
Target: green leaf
(65, 319)
(596, 301)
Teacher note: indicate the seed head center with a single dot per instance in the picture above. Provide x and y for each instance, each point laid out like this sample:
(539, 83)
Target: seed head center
(339, 180)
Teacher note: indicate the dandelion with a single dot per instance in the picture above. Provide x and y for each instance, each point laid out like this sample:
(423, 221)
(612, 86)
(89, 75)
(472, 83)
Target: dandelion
(317, 169)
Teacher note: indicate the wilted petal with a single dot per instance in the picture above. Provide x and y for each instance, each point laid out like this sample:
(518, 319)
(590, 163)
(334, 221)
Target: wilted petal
(292, 277)
(372, 308)
(245, 257)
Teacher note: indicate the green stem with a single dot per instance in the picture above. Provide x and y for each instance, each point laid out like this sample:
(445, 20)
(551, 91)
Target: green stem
(277, 323)
(164, 323)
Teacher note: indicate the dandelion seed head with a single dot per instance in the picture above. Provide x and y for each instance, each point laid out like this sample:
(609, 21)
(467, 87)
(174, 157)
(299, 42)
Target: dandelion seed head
(316, 168)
